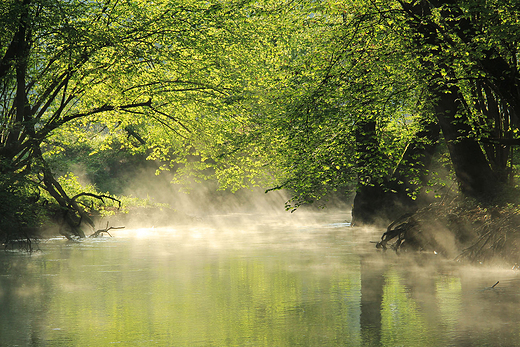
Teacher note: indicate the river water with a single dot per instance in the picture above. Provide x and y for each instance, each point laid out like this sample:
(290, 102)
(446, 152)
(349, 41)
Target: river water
(274, 282)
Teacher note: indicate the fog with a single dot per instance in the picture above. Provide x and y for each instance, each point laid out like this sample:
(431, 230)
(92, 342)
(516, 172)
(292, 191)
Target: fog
(306, 278)
(203, 202)
(228, 269)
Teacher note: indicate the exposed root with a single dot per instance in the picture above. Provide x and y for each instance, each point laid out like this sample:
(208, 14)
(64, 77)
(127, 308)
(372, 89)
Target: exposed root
(399, 228)
(25, 240)
(467, 232)
(25, 245)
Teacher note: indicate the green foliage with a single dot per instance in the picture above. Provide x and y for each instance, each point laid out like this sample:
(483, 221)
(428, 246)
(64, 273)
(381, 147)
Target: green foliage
(148, 79)
(315, 97)
(383, 62)
(326, 79)
(107, 205)
(108, 170)
(21, 208)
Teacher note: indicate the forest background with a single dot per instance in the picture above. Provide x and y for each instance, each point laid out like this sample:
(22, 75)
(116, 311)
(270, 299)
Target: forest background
(400, 103)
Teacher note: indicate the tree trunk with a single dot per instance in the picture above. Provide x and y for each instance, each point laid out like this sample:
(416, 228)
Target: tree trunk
(474, 175)
(370, 200)
(380, 202)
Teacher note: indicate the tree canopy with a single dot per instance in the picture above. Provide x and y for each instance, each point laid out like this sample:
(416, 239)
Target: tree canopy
(313, 97)
(385, 80)
(146, 75)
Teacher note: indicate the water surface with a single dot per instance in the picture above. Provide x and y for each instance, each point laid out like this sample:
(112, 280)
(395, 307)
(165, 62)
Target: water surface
(244, 283)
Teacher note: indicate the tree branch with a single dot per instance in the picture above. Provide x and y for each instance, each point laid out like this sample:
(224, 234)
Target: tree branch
(105, 108)
(97, 196)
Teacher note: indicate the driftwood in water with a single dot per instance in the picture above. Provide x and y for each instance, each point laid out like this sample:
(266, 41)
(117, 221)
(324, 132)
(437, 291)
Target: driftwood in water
(99, 233)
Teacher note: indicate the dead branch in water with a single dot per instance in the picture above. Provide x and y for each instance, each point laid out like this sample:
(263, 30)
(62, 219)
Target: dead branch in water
(99, 233)
(399, 228)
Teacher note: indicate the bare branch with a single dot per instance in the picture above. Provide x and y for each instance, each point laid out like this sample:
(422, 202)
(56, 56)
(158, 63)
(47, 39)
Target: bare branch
(97, 196)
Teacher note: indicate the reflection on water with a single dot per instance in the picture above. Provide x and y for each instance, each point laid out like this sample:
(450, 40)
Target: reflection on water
(268, 284)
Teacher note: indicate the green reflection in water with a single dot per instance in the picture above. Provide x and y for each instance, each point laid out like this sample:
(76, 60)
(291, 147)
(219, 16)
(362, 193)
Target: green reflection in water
(402, 323)
(177, 292)
(449, 299)
(187, 297)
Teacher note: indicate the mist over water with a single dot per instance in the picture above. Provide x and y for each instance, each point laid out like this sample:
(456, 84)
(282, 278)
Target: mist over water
(202, 200)
(223, 269)
(258, 279)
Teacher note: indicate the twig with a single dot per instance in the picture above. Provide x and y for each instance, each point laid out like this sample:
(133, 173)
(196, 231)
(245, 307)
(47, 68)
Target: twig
(99, 232)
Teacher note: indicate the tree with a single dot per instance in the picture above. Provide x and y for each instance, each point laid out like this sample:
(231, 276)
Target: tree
(342, 109)
(463, 60)
(370, 95)
(312, 97)
(71, 70)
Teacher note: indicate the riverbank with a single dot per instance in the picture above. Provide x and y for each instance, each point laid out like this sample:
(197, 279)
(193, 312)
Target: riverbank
(459, 230)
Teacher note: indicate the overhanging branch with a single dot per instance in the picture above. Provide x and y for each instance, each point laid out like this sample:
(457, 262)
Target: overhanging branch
(105, 108)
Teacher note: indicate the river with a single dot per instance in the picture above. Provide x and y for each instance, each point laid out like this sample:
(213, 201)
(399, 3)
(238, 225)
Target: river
(234, 281)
